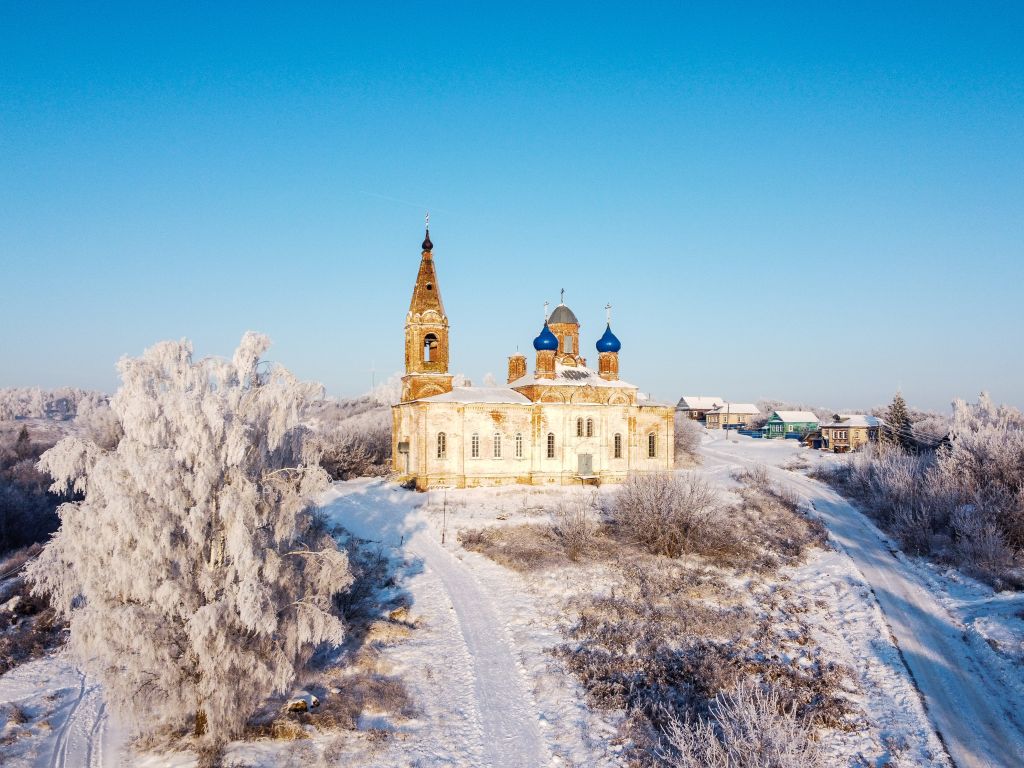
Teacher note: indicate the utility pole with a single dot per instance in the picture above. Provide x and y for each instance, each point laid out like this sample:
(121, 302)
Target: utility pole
(444, 516)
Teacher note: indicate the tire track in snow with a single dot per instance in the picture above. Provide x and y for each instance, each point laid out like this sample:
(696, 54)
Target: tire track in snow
(511, 734)
(60, 750)
(499, 726)
(81, 735)
(974, 715)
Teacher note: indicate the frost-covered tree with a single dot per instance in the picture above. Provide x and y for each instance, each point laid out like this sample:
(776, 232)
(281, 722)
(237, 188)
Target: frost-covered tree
(898, 420)
(196, 578)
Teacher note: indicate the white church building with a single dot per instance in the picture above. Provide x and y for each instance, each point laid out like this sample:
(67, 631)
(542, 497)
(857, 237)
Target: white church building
(563, 423)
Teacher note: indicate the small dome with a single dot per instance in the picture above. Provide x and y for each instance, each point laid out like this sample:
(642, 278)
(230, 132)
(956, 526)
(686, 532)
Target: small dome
(609, 342)
(563, 314)
(427, 245)
(546, 340)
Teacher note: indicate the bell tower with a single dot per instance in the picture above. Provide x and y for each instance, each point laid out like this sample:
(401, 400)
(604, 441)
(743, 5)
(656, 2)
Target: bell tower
(426, 333)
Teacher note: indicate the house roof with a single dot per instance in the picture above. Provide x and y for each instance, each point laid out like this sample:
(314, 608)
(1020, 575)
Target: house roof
(796, 416)
(572, 376)
(738, 408)
(855, 420)
(478, 395)
(698, 403)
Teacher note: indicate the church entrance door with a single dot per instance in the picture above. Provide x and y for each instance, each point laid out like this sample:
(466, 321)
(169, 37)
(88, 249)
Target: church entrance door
(586, 464)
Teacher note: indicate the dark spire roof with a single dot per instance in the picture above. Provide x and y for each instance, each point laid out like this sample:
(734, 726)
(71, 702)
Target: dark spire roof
(427, 245)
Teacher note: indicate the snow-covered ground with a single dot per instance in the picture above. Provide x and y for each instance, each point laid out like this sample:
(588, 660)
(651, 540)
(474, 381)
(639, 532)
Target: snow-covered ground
(488, 692)
(973, 695)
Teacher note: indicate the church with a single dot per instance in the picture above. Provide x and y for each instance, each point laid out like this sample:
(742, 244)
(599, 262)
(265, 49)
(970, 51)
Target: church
(563, 423)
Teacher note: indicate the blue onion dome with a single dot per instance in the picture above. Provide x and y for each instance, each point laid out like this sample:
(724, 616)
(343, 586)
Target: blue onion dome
(609, 342)
(546, 340)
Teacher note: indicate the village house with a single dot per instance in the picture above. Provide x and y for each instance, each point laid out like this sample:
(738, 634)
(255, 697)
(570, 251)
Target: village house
(564, 423)
(731, 416)
(782, 423)
(696, 406)
(849, 432)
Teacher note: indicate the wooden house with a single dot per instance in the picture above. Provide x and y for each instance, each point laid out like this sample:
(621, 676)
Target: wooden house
(731, 416)
(782, 423)
(849, 432)
(696, 406)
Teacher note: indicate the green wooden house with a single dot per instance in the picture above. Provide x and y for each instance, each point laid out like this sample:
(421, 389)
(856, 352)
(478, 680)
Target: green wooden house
(781, 423)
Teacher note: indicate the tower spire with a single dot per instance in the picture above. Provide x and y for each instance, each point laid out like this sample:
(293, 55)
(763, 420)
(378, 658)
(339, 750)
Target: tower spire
(427, 245)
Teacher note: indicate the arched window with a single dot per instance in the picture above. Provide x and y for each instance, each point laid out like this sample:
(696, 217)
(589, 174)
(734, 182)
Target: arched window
(618, 445)
(497, 445)
(652, 445)
(579, 427)
(474, 446)
(519, 445)
(567, 344)
(551, 445)
(590, 427)
(429, 347)
(442, 445)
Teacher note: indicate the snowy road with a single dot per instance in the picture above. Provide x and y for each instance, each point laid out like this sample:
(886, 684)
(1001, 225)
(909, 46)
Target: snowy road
(485, 688)
(976, 714)
(82, 735)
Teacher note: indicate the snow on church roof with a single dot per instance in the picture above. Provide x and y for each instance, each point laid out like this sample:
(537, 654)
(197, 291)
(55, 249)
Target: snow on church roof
(572, 376)
(478, 395)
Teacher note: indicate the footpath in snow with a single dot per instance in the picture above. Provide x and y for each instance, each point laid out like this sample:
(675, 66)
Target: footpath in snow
(974, 706)
(500, 723)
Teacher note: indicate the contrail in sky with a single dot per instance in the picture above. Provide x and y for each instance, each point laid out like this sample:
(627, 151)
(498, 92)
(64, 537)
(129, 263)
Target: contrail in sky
(421, 206)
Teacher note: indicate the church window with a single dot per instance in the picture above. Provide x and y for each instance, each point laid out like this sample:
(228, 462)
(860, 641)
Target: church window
(429, 347)
(579, 427)
(519, 445)
(474, 446)
(551, 445)
(590, 427)
(442, 445)
(618, 445)
(652, 445)
(567, 344)
(497, 445)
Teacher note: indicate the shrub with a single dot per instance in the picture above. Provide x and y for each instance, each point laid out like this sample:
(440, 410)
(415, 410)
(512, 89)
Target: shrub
(575, 526)
(746, 728)
(667, 513)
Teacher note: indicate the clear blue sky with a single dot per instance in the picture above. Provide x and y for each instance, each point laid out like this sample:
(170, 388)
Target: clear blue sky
(780, 201)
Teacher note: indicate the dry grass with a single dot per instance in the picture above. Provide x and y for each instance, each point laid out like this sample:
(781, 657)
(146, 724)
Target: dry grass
(539, 546)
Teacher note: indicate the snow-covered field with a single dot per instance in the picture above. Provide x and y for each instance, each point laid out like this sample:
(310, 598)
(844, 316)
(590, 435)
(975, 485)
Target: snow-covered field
(487, 691)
